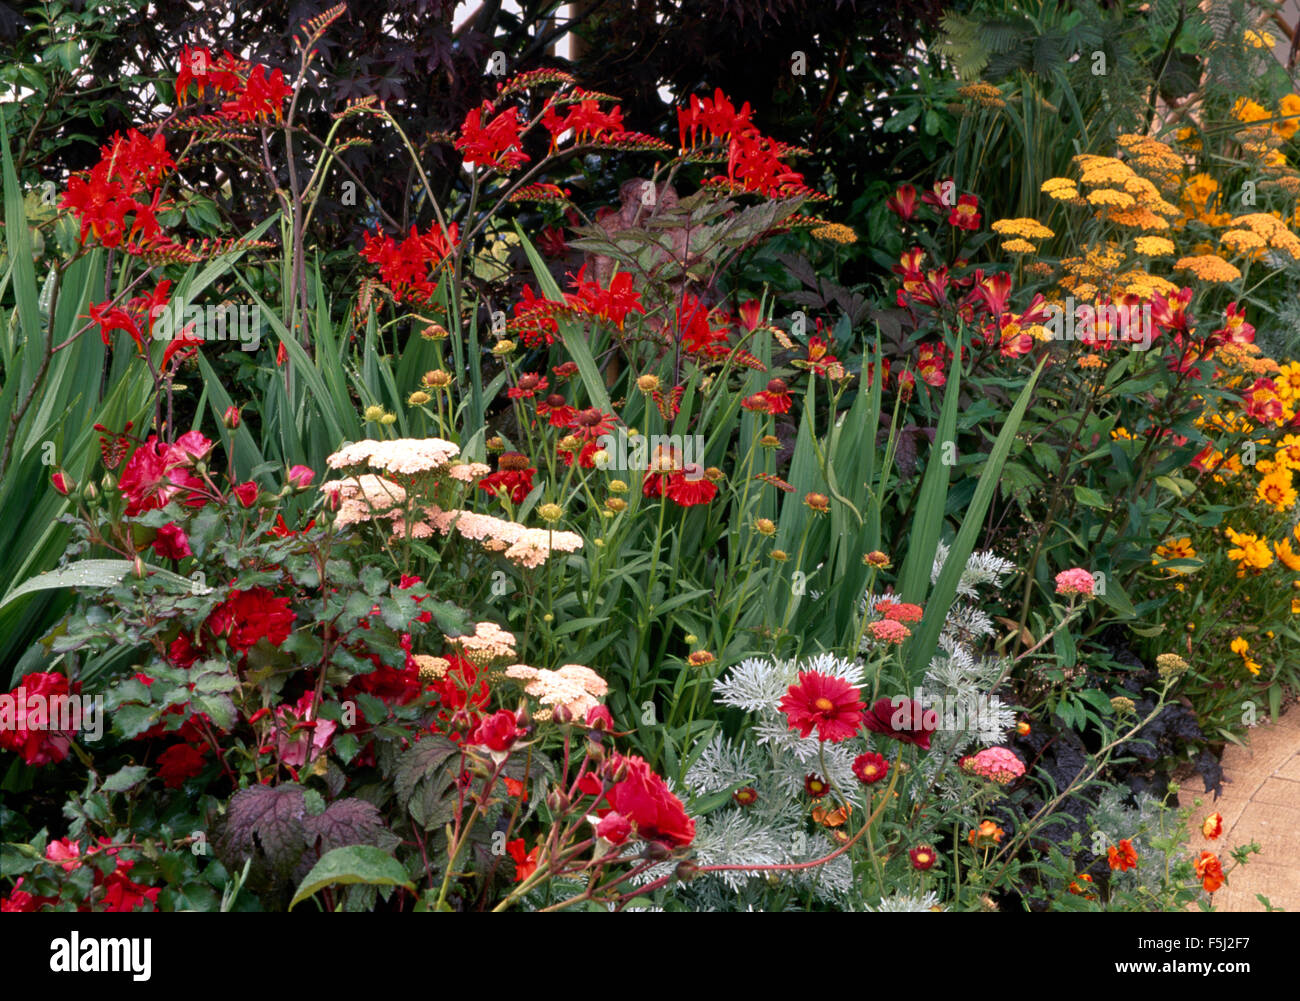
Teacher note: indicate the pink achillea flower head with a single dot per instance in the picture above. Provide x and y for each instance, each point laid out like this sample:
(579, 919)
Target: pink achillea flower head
(1074, 581)
(900, 611)
(996, 763)
(889, 631)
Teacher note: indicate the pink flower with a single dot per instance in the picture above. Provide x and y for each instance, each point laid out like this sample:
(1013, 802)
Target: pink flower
(889, 631)
(172, 543)
(830, 704)
(600, 718)
(1074, 581)
(299, 736)
(997, 763)
(301, 476)
(158, 473)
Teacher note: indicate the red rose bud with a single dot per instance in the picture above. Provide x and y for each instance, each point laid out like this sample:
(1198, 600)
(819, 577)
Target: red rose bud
(246, 493)
(563, 715)
(686, 870)
(600, 718)
(614, 828)
(301, 476)
(231, 418)
(62, 483)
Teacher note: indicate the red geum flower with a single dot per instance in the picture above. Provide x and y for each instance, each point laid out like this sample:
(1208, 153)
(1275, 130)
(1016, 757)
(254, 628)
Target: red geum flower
(1209, 870)
(178, 763)
(922, 857)
(30, 714)
(1122, 857)
(514, 475)
(829, 704)
(525, 862)
(171, 542)
(902, 719)
(645, 799)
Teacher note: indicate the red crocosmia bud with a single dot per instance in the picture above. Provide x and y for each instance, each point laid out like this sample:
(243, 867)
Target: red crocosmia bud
(247, 493)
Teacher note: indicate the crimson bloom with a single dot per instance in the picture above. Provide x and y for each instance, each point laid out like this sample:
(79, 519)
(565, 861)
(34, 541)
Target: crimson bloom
(514, 475)
(171, 542)
(870, 768)
(922, 857)
(525, 862)
(178, 763)
(498, 732)
(27, 723)
(829, 704)
(645, 799)
(251, 615)
(158, 473)
(903, 719)
(903, 202)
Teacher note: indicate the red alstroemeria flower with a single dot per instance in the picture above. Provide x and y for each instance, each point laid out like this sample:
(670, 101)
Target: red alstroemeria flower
(831, 705)
(903, 202)
(965, 214)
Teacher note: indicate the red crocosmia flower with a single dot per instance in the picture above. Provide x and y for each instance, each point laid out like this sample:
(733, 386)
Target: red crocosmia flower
(246, 493)
(1123, 857)
(262, 97)
(171, 542)
(251, 615)
(178, 763)
(32, 714)
(819, 357)
(922, 857)
(870, 768)
(530, 384)
(965, 214)
(778, 397)
(514, 475)
(903, 202)
(525, 863)
(1209, 870)
(610, 304)
(409, 267)
(281, 529)
(614, 828)
(645, 799)
(585, 119)
(498, 732)
(158, 473)
(695, 331)
(115, 318)
(556, 410)
(493, 144)
(102, 197)
(829, 704)
(902, 719)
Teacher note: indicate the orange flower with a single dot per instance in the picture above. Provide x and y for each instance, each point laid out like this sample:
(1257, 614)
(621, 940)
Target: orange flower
(1123, 857)
(832, 818)
(1213, 826)
(1078, 890)
(1209, 870)
(986, 832)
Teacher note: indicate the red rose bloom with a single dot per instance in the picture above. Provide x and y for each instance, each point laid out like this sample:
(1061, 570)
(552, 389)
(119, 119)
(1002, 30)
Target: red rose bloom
(498, 732)
(829, 704)
(645, 799)
(26, 722)
(178, 763)
(908, 722)
(172, 543)
(248, 616)
(158, 473)
(246, 493)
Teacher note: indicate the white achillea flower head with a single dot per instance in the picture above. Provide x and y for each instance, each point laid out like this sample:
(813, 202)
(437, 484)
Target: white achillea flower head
(375, 492)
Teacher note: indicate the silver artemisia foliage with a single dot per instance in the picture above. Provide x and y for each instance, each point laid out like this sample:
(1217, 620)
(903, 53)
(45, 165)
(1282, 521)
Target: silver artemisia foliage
(983, 567)
(902, 902)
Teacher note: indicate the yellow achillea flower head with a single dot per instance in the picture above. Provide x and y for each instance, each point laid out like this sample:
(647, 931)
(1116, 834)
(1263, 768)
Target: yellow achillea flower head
(982, 93)
(1018, 246)
(1030, 229)
(1153, 246)
(1208, 268)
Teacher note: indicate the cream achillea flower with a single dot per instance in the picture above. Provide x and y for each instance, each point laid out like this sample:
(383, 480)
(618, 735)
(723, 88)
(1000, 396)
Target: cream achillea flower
(487, 643)
(359, 498)
(400, 455)
(468, 472)
(573, 686)
(528, 547)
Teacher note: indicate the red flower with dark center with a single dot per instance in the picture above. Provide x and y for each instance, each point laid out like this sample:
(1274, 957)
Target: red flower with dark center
(829, 704)
(687, 492)
(815, 786)
(529, 385)
(591, 423)
(556, 410)
(778, 397)
(513, 475)
(922, 857)
(870, 768)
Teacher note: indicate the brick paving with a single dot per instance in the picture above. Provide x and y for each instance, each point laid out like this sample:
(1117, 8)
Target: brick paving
(1260, 802)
